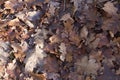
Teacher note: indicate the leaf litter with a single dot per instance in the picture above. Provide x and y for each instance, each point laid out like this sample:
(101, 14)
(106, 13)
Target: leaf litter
(59, 40)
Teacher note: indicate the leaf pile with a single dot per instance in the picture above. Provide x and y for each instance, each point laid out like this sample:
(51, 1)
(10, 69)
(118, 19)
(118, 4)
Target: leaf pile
(59, 40)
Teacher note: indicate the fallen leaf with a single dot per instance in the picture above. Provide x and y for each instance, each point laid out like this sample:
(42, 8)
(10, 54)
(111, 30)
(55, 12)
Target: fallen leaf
(38, 76)
(53, 6)
(74, 38)
(4, 52)
(68, 25)
(84, 32)
(51, 64)
(33, 15)
(66, 17)
(69, 57)
(54, 39)
(34, 59)
(111, 25)
(85, 66)
(110, 8)
(13, 5)
(77, 4)
(63, 51)
(53, 76)
(14, 22)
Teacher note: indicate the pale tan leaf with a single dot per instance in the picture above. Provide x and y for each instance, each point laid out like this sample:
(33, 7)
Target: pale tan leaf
(63, 51)
(66, 17)
(110, 8)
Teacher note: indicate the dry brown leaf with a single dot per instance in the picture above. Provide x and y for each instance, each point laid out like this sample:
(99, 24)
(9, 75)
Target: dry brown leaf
(94, 43)
(38, 76)
(110, 8)
(68, 25)
(87, 66)
(103, 41)
(13, 5)
(74, 38)
(54, 39)
(66, 17)
(14, 22)
(69, 57)
(112, 25)
(51, 64)
(20, 56)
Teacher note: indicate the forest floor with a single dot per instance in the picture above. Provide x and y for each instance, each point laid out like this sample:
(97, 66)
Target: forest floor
(59, 39)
